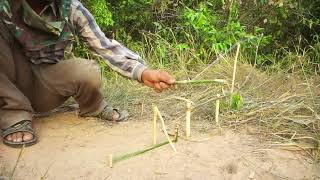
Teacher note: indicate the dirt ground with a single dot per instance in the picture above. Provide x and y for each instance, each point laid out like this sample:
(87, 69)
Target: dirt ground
(78, 148)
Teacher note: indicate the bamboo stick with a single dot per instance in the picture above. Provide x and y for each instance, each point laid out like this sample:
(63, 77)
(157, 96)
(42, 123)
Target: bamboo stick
(155, 114)
(188, 120)
(204, 81)
(130, 155)
(176, 133)
(165, 129)
(111, 161)
(235, 69)
(217, 109)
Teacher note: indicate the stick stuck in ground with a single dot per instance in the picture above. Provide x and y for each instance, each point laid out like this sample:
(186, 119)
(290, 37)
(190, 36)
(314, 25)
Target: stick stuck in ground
(110, 160)
(188, 120)
(155, 114)
(217, 110)
(235, 69)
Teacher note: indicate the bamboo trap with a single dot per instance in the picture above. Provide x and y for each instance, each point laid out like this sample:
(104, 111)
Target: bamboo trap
(204, 81)
(156, 113)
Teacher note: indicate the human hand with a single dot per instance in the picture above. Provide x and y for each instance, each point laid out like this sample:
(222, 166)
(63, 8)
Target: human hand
(157, 79)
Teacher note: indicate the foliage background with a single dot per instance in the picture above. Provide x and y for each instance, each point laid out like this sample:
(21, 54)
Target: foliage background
(278, 27)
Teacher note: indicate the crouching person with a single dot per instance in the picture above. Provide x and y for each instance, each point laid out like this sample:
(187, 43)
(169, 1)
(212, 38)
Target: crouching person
(35, 77)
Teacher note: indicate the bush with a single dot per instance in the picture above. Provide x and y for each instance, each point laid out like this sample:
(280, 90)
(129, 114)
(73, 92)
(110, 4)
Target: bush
(211, 27)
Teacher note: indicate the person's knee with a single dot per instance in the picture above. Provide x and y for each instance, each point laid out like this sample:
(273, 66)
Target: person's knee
(89, 74)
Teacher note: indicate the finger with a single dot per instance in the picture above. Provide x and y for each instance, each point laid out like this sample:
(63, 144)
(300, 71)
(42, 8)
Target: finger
(157, 87)
(149, 84)
(166, 77)
(164, 85)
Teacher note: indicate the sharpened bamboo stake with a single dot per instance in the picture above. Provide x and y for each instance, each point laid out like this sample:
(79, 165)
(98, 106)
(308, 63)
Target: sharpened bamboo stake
(155, 114)
(110, 160)
(217, 109)
(164, 128)
(188, 120)
(235, 69)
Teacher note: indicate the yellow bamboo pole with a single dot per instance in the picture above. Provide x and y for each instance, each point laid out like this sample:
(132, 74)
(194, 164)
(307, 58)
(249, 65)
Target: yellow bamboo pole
(155, 114)
(217, 109)
(188, 120)
(235, 69)
(110, 160)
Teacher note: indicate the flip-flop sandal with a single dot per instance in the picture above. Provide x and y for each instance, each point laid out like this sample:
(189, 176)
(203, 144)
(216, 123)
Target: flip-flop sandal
(22, 126)
(107, 114)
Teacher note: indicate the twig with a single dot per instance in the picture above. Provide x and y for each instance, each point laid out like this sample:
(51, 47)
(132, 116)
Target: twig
(15, 166)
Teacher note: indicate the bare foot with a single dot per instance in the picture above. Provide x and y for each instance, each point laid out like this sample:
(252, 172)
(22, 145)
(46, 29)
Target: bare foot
(19, 137)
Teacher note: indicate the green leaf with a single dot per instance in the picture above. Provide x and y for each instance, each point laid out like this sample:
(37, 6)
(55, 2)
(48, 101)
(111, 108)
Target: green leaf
(236, 101)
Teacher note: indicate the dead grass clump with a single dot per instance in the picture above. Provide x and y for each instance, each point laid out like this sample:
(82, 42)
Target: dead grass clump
(284, 107)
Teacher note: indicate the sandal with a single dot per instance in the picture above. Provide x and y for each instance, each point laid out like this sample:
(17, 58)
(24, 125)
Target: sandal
(107, 114)
(22, 126)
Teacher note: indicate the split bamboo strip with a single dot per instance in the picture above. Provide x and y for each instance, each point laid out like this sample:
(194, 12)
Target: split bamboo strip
(165, 129)
(155, 114)
(110, 161)
(188, 120)
(235, 69)
(205, 81)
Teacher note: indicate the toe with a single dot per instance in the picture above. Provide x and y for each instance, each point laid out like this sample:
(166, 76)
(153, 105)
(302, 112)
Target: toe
(27, 136)
(19, 136)
(14, 137)
(9, 137)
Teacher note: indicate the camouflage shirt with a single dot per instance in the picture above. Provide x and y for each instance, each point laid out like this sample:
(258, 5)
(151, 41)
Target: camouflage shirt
(63, 21)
